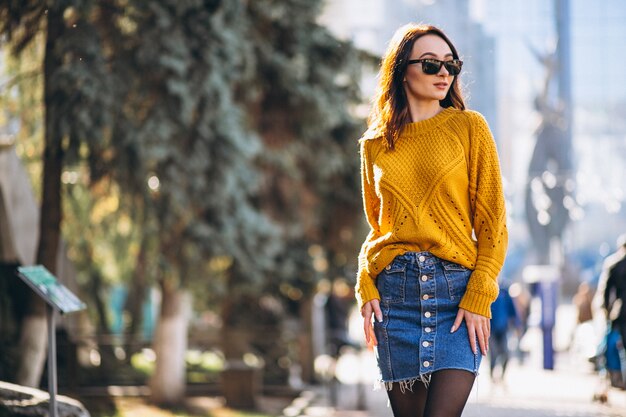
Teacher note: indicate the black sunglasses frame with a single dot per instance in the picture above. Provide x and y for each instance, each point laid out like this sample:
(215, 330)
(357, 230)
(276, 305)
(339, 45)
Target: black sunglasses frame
(453, 66)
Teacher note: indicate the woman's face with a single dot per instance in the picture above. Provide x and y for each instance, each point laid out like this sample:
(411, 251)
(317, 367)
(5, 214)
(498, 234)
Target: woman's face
(424, 87)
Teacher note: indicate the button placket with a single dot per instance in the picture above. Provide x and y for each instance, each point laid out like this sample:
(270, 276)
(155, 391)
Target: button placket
(428, 309)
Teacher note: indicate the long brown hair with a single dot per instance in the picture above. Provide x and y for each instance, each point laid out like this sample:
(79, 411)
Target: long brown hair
(390, 110)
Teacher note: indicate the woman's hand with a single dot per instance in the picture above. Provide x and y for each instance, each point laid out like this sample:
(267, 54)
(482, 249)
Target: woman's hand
(372, 306)
(478, 327)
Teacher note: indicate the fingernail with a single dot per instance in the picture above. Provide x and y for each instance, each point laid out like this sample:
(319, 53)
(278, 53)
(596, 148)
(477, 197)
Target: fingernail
(452, 329)
(379, 318)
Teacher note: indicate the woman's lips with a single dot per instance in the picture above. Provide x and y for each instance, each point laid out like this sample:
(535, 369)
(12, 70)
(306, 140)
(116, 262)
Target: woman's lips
(441, 86)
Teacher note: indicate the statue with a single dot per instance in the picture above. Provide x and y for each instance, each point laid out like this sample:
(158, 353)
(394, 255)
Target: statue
(550, 173)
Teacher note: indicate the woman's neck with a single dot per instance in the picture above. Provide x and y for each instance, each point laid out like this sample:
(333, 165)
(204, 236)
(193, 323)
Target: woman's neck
(422, 110)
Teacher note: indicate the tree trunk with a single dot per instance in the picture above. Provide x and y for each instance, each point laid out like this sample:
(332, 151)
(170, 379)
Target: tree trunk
(33, 342)
(136, 299)
(305, 339)
(33, 338)
(234, 335)
(240, 383)
(234, 338)
(95, 285)
(167, 385)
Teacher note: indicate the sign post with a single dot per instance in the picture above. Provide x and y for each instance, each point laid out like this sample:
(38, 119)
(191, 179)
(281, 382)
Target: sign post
(57, 298)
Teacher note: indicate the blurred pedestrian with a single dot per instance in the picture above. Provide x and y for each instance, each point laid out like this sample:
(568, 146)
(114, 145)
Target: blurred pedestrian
(582, 300)
(433, 198)
(582, 339)
(504, 317)
(615, 306)
(599, 303)
(521, 299)
(606, 308)
(613, 360)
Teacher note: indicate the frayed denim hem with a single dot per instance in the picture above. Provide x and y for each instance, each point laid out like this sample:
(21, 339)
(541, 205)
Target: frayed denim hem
(407, 384)
(404, 384)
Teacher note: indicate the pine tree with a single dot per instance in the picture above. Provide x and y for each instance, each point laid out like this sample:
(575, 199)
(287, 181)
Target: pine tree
(182, 128)
(302, 103)
(72, 114)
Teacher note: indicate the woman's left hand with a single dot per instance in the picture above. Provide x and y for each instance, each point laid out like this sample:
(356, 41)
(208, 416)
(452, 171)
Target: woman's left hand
(478, 328)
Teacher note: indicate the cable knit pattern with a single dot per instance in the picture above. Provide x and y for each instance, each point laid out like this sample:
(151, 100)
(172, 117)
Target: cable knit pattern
(439, 190)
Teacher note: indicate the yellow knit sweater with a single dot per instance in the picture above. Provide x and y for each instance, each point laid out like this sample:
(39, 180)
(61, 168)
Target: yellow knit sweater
(439, 190)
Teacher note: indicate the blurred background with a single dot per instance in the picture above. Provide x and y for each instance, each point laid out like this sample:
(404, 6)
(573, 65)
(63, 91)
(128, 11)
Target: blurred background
(190, 170)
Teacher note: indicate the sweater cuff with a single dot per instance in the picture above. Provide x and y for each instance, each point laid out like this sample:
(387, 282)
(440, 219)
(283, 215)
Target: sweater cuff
(476, 303)
(366, 291)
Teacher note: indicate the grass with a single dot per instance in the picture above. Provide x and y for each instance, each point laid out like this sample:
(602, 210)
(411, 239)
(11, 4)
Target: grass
(202, 367)
(193, 407)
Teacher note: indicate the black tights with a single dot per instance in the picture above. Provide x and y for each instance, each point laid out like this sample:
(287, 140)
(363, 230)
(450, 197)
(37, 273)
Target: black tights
(446, 395)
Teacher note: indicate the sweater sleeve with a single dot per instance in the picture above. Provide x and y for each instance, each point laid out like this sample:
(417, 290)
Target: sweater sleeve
(365, 284)
(489, 218)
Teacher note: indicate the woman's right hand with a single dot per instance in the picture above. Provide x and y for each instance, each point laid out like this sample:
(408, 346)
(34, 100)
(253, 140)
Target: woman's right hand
(372, 306)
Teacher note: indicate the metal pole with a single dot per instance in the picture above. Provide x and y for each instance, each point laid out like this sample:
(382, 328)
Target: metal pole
(564, 59)
(548, 312)
(52, 361)
(548, 350)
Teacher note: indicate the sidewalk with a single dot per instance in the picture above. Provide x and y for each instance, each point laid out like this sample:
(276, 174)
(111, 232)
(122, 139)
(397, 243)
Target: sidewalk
(528, 391)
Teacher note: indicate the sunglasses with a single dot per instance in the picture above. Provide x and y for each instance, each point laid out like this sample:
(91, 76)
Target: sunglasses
(433, 66)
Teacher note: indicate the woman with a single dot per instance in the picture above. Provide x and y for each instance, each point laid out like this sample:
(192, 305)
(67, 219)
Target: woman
(433, 198)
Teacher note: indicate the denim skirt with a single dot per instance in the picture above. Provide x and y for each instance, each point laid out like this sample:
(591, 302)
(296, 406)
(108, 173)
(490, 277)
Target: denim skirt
(420, 295)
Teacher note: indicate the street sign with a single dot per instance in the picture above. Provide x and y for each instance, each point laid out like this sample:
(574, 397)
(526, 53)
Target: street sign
(48, 288)
(57, 298)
